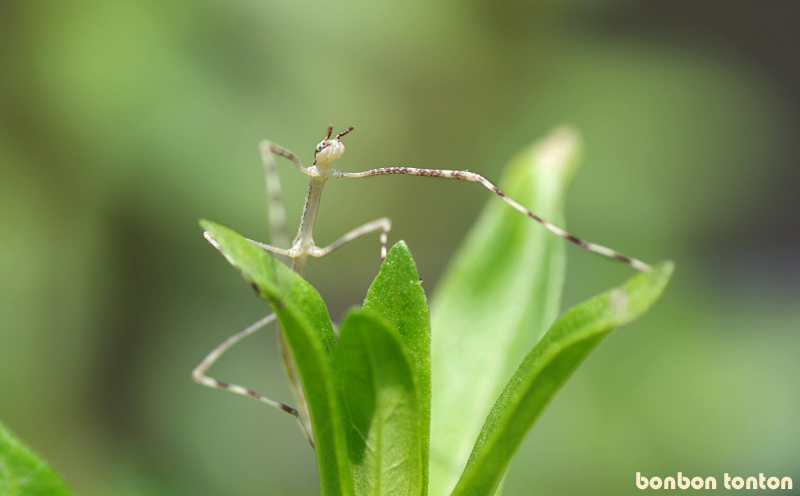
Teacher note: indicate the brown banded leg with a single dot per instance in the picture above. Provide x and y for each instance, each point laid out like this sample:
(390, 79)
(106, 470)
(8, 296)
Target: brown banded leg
(198, 374)
(477, 178)
(268, 146)
(383, 224)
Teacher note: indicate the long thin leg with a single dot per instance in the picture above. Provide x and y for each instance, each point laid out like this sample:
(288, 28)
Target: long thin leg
(270, 248)
(303, 416)
(294, 379)
(382, 224)
(276, 211)
(477, 178)
(198, 374)
(283, 152)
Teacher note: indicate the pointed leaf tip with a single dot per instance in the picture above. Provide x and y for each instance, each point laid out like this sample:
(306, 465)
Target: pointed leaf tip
(397, 296)
(546, 368)
(307, 328)
(497, 298)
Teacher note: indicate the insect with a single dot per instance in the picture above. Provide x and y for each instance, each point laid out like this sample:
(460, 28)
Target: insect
(303, 246)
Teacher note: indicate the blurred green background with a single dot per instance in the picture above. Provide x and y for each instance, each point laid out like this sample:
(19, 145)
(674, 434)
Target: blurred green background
(124, 122)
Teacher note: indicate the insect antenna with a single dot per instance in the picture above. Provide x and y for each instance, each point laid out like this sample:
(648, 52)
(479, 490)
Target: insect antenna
(338, 136)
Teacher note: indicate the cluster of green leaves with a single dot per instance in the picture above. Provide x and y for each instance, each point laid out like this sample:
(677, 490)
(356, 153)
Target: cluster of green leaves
(378, 429)
(368, 392)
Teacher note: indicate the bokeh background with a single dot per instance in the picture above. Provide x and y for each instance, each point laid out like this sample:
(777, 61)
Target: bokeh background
(123, 122)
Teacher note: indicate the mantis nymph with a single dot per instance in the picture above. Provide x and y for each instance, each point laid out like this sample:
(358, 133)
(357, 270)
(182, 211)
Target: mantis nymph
(303, 246)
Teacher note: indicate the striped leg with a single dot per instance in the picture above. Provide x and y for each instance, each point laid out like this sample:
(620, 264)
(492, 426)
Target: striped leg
(267, 146)
(198, 374)
(383, 224)
(275, 209)
(477, 178)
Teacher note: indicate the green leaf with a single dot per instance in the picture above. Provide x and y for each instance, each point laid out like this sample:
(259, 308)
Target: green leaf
(495, 301)
(546, 369)
(22, 473)
(379, 399)
(397, 296)
(305, 323)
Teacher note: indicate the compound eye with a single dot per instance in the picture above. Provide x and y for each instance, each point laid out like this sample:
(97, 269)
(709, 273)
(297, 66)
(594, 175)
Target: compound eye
(320, 147)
